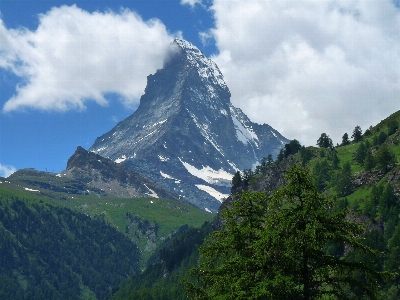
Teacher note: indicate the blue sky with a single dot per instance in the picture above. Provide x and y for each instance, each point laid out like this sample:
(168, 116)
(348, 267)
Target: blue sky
(70, 70)
(46, 139)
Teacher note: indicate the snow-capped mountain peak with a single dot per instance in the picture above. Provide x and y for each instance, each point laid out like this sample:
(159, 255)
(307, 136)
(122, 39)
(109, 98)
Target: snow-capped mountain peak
(186, 135)
(206, 68)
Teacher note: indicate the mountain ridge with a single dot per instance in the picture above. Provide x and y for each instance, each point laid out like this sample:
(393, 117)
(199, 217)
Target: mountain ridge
(186, 135)
(113, 178)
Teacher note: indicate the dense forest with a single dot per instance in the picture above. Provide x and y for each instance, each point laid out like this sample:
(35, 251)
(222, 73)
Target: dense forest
(49, 252)
(167, 266)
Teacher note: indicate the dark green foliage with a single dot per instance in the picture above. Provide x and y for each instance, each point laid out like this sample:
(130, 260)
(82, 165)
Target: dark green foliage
(371, 204)
(380, 139)
(173, 259)
(322, 174)
(385, 157)
(233, 245)
(344, 183)
(280, 156)
(361, 153)
(289, 149)
(357, 134)
(237, 179)
(247, 174)
(264, 164)
(345, 139)
(324, 141)
(335, 160)
(393, 126)
(388, 204)
(306, 155)
(292, 148)
(369, 162)
(392, 262)
(273, 248)
(51, 253)
(368, 132)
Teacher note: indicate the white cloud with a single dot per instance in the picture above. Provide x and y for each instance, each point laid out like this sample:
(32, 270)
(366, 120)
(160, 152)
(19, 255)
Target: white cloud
(75, 56)
(307, 67)
(192, 3)
(6, 171)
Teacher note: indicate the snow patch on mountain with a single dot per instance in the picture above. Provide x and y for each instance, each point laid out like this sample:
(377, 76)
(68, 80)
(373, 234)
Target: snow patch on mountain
(207, 69)
(163, 158)
(155, 124)
(166, 175)
(146, 136)
(212, 192)
(99, 149)
(244, 133)
(31, 190)
(120, 159)
(218, 177)
(151, 193)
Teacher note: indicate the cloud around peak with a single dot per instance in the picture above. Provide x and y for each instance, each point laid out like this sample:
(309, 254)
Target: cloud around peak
(6, 171)
(75, 56)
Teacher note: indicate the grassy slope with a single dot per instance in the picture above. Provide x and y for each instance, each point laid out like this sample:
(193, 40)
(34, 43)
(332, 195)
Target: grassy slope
(168, 214)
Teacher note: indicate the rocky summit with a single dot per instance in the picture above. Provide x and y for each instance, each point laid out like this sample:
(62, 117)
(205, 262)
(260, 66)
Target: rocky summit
(186, 135)
(110, 177)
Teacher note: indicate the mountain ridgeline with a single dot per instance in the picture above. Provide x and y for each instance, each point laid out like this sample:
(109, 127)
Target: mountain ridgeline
(115, 179)
(186, 135)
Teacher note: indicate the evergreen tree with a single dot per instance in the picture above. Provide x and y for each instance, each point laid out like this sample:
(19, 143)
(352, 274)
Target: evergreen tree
(387, 201)
(360, 153)
(335, 161)
(306, 155)
(392, 263)
(237, 180)
(325, 141)
(274, 249)
(344, 183)
(292, 148)
(368, 131)
(357, 134)
(369, 162)
(345, 139)
(393, 125)
(281, 155)
(385, 157)
(322, 172)
(380, 139)
(235, 247)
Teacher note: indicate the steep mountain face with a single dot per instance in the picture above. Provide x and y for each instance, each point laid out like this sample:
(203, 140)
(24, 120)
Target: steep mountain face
(110, 177)
(185, 134)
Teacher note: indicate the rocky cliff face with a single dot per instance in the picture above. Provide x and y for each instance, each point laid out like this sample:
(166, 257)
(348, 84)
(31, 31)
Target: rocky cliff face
(185, 134)
(110, 177)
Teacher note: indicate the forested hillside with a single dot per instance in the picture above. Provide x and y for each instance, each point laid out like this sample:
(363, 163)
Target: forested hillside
(145, 221)
(166, 268)
(63, 239)
(50, 252)
(359, 177)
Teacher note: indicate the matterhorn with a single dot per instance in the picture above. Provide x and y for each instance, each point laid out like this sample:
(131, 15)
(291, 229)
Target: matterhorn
(186, 135)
